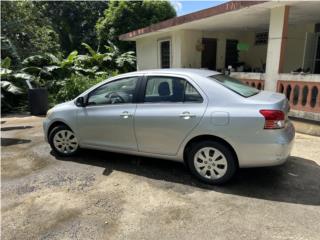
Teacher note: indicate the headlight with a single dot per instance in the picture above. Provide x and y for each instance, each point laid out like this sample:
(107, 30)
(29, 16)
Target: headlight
(49, 112)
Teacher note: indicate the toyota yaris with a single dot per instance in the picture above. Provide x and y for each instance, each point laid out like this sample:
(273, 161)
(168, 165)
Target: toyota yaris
(210, 121)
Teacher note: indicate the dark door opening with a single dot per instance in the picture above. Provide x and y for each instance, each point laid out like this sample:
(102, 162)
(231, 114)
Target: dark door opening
(232, 54)
(209, 53)
(165, 54)
(317, 58)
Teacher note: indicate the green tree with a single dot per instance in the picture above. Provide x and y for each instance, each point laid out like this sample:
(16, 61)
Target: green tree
(124, 16)
(25, 31)
(13, 95)
(74, 21)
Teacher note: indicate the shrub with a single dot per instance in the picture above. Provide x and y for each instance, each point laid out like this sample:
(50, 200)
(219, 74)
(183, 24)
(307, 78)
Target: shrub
(13, 94)
(64, 79)
(71, 87)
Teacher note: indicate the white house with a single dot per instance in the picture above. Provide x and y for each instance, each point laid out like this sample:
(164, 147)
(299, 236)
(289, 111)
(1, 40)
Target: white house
(272, 45)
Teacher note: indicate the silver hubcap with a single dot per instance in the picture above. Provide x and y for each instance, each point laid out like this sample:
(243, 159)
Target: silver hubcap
(65, 141)
(210, 163)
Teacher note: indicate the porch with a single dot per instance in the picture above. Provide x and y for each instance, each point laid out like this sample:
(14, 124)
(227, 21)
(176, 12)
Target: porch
(302, 91)
(269, 45)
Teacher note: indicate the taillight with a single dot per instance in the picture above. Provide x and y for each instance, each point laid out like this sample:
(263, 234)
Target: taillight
(274, 119)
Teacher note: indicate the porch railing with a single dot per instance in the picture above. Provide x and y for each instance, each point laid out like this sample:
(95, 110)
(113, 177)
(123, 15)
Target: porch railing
(256, 83)
(302, 95)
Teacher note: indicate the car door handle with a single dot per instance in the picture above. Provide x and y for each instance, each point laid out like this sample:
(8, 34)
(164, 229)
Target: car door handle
(125, 114)
(187, 115)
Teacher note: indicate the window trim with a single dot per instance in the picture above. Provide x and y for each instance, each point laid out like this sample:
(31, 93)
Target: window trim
(143, 89)
(159, 51)
(135, 93)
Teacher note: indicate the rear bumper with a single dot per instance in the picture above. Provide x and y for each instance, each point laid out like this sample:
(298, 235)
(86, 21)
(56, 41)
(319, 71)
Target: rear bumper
(271, 149)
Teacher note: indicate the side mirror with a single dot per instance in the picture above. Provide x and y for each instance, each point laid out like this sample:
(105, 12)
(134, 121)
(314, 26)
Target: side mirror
(80, 102)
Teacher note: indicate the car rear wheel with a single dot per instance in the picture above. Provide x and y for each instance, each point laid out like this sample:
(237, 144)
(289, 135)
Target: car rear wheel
(63, 141)
(212, 162)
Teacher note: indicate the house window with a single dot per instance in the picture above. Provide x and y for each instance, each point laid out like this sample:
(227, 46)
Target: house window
(165, 53)
(261, 38)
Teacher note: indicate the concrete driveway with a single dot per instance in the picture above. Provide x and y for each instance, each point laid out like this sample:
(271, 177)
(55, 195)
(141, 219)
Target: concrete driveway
(100, 195)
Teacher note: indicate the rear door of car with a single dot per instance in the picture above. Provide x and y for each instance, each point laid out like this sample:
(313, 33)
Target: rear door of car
(168, 109)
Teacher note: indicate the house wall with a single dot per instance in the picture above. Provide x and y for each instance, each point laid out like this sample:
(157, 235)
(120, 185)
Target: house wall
(254, 57)
(148, 50)
(185, 54)
(295, 46)
(190, 56)
(221, 45)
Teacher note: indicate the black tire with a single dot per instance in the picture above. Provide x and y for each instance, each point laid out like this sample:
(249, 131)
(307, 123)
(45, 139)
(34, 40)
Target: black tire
(231, 166)
(52, 134)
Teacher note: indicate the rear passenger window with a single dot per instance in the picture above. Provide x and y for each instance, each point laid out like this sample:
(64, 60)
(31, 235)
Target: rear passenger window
(191, 94)
(170, 89)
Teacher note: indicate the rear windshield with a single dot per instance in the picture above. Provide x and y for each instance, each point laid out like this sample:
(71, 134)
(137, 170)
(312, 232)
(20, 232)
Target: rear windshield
(235, 85)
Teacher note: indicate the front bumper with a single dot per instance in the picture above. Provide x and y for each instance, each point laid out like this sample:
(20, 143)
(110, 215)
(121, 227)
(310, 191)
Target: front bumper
(45, 126)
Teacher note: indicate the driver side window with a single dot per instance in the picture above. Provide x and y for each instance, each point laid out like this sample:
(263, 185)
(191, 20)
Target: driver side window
(116, 92)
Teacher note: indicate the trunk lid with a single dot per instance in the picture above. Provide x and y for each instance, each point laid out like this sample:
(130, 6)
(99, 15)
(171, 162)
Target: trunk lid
(271, 100)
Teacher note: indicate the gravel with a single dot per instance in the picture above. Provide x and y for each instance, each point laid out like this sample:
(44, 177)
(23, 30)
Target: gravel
(101, 195)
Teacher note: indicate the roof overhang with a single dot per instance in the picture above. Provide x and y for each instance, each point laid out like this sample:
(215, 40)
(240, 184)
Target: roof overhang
(231, 16)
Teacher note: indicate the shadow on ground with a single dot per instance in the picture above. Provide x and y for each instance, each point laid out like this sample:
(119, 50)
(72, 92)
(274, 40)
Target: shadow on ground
(297, 181)
(15, 128)
(13, 141)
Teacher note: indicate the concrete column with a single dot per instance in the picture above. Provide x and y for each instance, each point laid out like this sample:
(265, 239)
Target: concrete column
(278, 29)
(176, 45)
(221, 52)
(190, 54)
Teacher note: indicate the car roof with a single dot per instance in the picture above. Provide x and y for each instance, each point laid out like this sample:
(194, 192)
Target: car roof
(182, 71)
(202, 75)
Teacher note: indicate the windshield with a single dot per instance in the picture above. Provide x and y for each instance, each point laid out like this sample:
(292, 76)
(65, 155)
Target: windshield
(235, 85)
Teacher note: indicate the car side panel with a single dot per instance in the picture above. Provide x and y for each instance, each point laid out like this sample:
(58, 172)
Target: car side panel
(159, 127)
(66, 114)
(106, 126)
(245, 132)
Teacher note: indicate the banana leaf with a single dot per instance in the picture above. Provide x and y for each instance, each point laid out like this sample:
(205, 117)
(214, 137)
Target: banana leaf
(9, 87)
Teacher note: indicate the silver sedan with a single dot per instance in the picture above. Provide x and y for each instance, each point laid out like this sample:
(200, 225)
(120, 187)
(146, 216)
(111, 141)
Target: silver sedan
(211, 122)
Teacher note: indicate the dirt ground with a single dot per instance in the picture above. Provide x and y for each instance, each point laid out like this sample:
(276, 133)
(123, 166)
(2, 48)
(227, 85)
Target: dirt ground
(100, 195)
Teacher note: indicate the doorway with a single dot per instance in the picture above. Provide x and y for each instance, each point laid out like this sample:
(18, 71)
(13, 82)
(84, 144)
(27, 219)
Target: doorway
(232, 54)
(209, 53)
(317, 55)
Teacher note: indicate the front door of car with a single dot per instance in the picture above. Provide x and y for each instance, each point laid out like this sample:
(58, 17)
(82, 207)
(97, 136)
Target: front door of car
(107, 119)
(169, 110)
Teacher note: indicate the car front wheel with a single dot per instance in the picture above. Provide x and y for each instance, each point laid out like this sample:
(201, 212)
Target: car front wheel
(63, 141)
(212, 162)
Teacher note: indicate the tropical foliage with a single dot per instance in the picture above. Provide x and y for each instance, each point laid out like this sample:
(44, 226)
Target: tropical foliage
(67, 46)
(77, 18)
(93, 63)
(11, 86)
(75, 84)
(49, 71)
(124, 16)
(25, 31)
